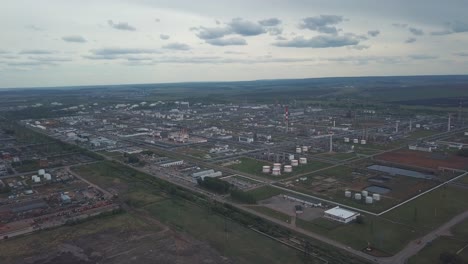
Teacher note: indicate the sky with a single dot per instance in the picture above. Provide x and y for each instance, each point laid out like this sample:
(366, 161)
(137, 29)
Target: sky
(94, 42)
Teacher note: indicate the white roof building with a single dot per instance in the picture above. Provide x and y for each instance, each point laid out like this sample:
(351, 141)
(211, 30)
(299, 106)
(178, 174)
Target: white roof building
(341, 215)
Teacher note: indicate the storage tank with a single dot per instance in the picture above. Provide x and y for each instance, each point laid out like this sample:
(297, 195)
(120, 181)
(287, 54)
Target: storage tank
(41, 172)
(305, 148)
(276, 171)
(347, 194)
(376, 196)
(363, 141)
(291, 156)
(47, 176)
(357, 196)
(418, 125)
(369, 200)
(356, 141)
(33, 177)
(287, 168)
(303, 160)
(294, 163)
(266, 169)
(364, 193)
(277, 166)
(346, 139)
(298, 150)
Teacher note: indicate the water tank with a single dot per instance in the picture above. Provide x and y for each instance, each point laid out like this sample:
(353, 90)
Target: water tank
(364, 193)
(363, 141)
(369, 200)
(266, 169)
(346, 139)
(276, 171)
(277, 166)
(33, 177)
(287, 168)
(357, 196)
(356, 141)
(298, 150)
(347, 194)
(41, 172)
(305, 148)
(376, 196)
(294, 163)
(47, 176)
(291, 156)
(303, 160)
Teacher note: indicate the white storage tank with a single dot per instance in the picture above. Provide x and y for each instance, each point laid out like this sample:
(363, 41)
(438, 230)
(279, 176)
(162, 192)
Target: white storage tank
(287, 168)
(33, 177)
(41, 172)
(376, 196)
(356, 141)
(364, 193)
(347, 194)
(291, 156)
(298, 150)
(47, 176)
(369, 200)
(305, 148)
(294, 163)
(266, 169)
(357, 196)
(276, 171)
(277, 166)
(418, 125)
(346, 139)
(303, 160)
(363, 142)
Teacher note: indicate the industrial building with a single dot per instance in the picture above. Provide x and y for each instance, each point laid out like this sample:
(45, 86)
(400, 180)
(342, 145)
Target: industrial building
(340, 215)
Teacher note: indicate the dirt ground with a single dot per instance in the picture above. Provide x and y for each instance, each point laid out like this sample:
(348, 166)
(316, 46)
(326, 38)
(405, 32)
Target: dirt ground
(287, 206)
(121, 247)
(425, 159)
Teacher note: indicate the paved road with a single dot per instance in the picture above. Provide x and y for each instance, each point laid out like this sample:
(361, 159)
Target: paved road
(415, 246)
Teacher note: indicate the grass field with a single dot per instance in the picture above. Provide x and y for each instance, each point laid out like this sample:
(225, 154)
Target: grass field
(272, 213)
(431, 252)
(265, 192)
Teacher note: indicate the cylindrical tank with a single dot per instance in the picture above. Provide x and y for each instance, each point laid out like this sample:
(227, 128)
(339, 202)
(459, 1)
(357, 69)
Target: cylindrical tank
(303, 160)
(376, 196)
(418, 125)
(294, 163)
(298, 150)
(41, 172)
(266, 169)
(364, 193)
(47, 176)
(356, 141)
(346, 139)
(347, 194)
(305, 148)
(291, 156)
(369, 200)
(276, 165)
(357, 196)
(33, 177)
(363, 141)
(287, 168)
(276, 171)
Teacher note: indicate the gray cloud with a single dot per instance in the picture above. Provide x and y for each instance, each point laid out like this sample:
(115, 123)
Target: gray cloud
(212, 33)
(441, 32)
(274, 31)
(410, 40)
(416, 31)
(117, 53)
(271, 22)
(35, 28)
(373, 33)
(74, 38)
(121, 26)
(157, 20)
(234, 52)
(359, 47)
(164, 37)
(280, 38)
(227, 42)
(461, 54)
(451, 28)
(322, 23)
(177, 46)
(49, 59)
(37, 51)
(322, 41)
(399, 25)
(245, 27)
(422, 57)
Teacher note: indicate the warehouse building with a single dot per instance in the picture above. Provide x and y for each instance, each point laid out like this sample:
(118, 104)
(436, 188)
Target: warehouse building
(341, 215)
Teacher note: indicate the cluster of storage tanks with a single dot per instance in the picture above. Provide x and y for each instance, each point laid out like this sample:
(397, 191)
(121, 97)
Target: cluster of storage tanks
(302, 149)
(369, 199)
(276, 170)
(355, 141)
(41, 173)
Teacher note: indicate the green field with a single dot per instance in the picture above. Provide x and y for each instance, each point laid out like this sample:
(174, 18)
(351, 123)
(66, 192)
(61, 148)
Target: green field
(265, 192)
(431, 252)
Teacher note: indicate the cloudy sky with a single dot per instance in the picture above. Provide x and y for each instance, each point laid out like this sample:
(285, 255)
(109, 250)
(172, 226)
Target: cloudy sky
(86, 42)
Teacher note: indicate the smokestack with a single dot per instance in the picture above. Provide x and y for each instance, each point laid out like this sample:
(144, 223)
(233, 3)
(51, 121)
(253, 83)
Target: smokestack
(396, 126)
(448, 124)
(331, 142)
(410, 125)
